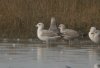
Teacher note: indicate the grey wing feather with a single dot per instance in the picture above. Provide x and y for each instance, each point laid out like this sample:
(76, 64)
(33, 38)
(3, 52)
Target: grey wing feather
(70, 32)
(48, 33)
(53, 26)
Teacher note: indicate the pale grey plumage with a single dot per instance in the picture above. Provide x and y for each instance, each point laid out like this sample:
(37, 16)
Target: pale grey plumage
(53, 26)
(68, 33)
(94, 35)
(45, 35)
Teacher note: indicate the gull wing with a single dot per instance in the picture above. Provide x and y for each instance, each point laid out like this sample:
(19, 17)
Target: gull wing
(48, 33)
(70, 32)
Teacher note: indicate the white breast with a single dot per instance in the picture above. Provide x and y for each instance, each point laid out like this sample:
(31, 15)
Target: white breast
(95, 36)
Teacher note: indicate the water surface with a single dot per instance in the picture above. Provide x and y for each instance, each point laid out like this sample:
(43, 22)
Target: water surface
(28, 56)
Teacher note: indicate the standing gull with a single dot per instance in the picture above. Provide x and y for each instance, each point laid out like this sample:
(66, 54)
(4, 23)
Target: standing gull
(68, 34)
(53, 26)
(45, 35)
(94, 35)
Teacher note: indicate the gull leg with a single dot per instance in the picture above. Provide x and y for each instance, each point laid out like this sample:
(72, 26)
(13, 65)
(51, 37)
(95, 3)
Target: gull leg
(47, 43)
(93, 45)
(98, 45)
(69, 43)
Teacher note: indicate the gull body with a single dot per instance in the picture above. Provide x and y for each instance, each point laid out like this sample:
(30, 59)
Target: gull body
(68, 34)
(45, 35)
(53, 26)
(94, 35)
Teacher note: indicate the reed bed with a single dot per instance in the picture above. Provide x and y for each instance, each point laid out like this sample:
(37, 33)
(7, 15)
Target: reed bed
(19, 17)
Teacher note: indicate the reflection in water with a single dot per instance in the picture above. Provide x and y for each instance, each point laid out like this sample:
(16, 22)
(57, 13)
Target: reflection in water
(14, 45)
(53, 57)
(39, 53)
(39, 56)
(94, 56)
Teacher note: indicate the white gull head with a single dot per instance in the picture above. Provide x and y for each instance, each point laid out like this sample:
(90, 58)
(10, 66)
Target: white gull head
(61, 27)
(40, 25)
(92, 29)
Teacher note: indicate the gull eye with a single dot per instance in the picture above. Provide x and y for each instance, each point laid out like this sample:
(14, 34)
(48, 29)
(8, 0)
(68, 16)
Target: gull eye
(92, 33)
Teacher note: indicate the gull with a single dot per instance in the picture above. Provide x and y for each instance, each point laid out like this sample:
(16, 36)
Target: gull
(45, 35)
(94, 35)
(53, 26)
(96, 65)
(68, 34)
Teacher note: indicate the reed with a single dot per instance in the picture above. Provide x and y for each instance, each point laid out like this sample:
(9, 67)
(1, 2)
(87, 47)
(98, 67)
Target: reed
(19, 17)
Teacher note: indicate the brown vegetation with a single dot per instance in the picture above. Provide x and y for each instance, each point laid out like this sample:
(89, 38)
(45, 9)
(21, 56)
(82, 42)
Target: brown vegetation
(18, 17)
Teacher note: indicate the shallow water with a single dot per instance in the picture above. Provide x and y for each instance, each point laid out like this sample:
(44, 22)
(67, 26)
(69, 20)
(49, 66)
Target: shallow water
(28, 56)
